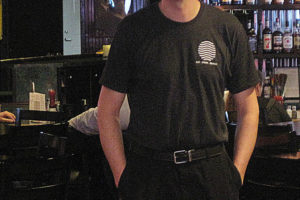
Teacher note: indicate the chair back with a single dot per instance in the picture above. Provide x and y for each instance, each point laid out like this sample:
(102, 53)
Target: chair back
(43, 174)
(38, 166)
(38, 115)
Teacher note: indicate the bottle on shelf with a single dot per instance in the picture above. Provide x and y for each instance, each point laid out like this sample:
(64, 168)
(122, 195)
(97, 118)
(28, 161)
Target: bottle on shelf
(250, 2)
(237, 2)
(289, 111)
(52, 104)
(287, 38)
(288, 1)
(267, 38)
(225, 2)
(296, 37)
(252, 37)
(267, 89)
(214, 2)
(267, 2)
(278, 2)
(277, 38)
(294, 112)
(269, 68)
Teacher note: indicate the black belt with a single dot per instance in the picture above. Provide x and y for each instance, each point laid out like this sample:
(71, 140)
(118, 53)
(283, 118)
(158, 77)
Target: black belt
(180, 156)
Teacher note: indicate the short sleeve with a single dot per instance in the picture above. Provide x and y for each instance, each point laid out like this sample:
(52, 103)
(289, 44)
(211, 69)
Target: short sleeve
(243, 73)
(117, 70)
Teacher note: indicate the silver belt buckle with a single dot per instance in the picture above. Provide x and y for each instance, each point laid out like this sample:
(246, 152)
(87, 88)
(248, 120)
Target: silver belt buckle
(187, 154)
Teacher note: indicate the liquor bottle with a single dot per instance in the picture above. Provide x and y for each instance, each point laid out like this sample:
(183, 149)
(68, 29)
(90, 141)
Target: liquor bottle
(252, 38)
(250, 2)
(288, 1)
(277, 38)
(268, 2)
(289, 111)
(297, 38)
(267, 89)
(225, 2)
(237, 2)
(278, 2)
(214, 2)
(269, 68)
(267, 38)
(287, 38)
(294, 112)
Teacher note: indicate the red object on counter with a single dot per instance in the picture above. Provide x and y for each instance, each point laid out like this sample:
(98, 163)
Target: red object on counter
(52, 98)
(279, 99)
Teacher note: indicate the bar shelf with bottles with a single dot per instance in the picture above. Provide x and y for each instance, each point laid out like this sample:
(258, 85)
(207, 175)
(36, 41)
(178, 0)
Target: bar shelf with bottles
(286, 11)
(273, 29)
(261, 6)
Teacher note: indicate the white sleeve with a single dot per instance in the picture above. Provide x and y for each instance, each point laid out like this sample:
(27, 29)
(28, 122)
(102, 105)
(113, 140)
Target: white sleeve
(124, 114)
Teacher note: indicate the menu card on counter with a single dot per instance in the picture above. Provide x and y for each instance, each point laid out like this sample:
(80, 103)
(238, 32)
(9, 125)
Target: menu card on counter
(37, 101)
(291, 88)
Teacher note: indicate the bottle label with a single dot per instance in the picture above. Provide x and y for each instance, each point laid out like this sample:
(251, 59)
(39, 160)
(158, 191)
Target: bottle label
(279, 1)
(267, 42)
(269, 1)
(237, 1)
(277, 40)
(294, 114)
(250, 2)
(287, 42)
(226, 1)
(252, 43)
(297, 42)
(267, 92)
(289, 112)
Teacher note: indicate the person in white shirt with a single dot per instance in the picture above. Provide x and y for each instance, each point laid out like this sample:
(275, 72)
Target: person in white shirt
(86, 122)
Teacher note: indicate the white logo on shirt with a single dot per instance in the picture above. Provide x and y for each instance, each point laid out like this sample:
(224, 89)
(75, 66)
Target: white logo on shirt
(207, 53)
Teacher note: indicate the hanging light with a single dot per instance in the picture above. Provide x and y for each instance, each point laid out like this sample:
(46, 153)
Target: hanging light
(127, 6)
(112, 3)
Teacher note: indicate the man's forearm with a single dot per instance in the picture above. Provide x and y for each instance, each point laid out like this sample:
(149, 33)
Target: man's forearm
(112, 145)
(246, 131)
(245, 140)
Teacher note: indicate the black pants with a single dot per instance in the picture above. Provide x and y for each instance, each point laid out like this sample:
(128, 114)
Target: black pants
(213, 178)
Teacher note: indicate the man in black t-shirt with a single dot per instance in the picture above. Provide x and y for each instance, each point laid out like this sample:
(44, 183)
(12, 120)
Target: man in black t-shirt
(174, 59)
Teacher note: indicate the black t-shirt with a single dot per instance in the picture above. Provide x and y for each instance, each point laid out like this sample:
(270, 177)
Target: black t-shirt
(175, 75)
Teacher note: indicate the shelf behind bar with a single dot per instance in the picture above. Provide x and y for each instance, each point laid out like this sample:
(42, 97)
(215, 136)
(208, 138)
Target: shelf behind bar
(281, 7)
(264, 7)
(6, 93)
(239, 7)
(277, 55)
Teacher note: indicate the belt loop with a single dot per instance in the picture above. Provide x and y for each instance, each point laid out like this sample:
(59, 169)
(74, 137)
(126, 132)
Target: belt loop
(190, 154)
